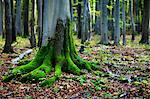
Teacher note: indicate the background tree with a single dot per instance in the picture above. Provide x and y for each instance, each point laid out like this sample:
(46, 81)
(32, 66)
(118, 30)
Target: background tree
(18, 18)
(132, 20)
(32, 24)
(13, 21)
(146, 23)
(124, 22)
(117, 26)
(26, 17)
(79, 10)
(40, 21)
(8, 27)
(1, 18)
(85, 23)
(104, 34)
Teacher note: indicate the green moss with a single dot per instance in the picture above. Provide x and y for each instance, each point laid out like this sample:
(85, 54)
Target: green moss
(36, 62)
(49, 82)
(71, 66)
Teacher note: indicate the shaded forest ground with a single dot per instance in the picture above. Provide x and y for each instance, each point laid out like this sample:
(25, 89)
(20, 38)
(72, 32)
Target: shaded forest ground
(125, 73)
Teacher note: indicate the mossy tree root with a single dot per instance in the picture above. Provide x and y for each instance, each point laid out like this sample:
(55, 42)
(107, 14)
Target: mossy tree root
(59, 54)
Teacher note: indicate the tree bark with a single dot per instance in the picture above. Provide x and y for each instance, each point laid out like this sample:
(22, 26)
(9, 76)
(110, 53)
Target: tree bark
(79, 10)
(26, 17)
(104, 35)
(40, 21)
(1, 18)
(124, 22)
(18, 18)
(117, 26)
(132, 20)
(8, 27)
(146, 23)
(32, 20)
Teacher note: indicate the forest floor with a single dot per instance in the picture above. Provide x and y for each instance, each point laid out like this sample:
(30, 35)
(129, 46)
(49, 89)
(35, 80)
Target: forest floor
(125, 73)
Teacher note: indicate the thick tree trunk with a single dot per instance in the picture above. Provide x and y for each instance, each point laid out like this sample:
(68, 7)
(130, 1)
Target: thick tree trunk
(146, 23)
(1, 18)
(18, 18)
(8, 27)
(26, 17)
(57, 52)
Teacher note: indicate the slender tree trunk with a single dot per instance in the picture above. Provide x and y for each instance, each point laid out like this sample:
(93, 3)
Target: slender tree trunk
(40, 21)
(113, 21)
(79, 10)
(1, 18)
(98, 28)
(146, 23)
(13, 21)
(32, 20)
(104, 35)
(132, 20)
(8, 27)
(117, 25)
(18, 18)
(26, 17)
(124, 22)
(85, 24)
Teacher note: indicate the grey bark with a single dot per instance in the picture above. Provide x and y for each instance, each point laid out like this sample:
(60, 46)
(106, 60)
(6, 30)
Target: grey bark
(32, 20)
(124, 22)
(18, 18)
(132, 20)
(40, 21)
(8, 27)
(85, 23)
(53, 10)
(117, 26)
(104, 34)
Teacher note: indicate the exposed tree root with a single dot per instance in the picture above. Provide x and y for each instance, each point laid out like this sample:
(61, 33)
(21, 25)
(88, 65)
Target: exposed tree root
(59, 54)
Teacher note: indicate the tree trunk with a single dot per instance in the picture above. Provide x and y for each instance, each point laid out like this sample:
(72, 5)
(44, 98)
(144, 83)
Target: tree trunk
(85, 23)
(32, 20)
(104, 35)
(1, 18)
(8, 27)
(13, 21)
(117, 25)
(124, 22)
(79, 10)
(26, 17)
(146, 23)
(40, 21)
(57, 51)
(132, 20)
(18, 18)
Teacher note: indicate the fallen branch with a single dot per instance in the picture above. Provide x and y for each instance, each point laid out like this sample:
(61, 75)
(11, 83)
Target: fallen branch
(21, 56)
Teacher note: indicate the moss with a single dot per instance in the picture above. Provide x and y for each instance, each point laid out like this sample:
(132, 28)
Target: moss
(58, 53)
(49, 82)
(37, 61)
